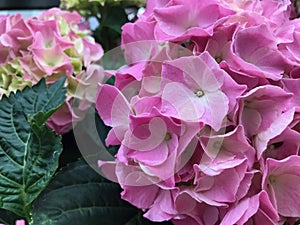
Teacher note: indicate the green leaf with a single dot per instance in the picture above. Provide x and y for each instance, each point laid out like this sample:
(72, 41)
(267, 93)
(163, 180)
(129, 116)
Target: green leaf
(140, 220)
(40, 99)
(29, 150)
(78, 195)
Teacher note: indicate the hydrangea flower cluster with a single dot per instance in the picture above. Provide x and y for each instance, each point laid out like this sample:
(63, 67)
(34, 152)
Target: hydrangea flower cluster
(54, 44)
(208, 133)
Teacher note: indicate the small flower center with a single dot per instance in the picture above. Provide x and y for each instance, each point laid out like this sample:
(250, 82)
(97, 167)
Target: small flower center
(199, 93)
(168, 136)
(274, 146)
(219, 59)
(246, 103)
(272, 179)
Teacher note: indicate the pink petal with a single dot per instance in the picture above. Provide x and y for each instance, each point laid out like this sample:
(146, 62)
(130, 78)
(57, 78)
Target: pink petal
(276, 128)
(156, 131)
(113, 109)
(282, 181)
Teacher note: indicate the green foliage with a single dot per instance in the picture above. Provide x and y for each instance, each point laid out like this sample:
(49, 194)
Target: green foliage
(78, 195)
(108, 34)
(140, 220)
(29, 150)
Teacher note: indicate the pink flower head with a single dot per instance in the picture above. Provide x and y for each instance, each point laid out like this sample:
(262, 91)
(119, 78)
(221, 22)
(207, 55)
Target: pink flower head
(48, 48)
(15, 37)
(46, 35)
(209, 135)
(51, 45)
(53, 60)
(281, 181)
(15, 34)
(193, 90)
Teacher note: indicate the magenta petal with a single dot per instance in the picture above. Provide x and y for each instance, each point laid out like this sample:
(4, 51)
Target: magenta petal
(153, 157)
(282, 182)
(276, 128)
(224, 189)
(216, 108)
(141, 197)
(257, 209)
(108, 168)
(148, 136)
(234, 216)
(186, 106)
(163, 208)
(113, 109)
(167, 170)
(199, 197)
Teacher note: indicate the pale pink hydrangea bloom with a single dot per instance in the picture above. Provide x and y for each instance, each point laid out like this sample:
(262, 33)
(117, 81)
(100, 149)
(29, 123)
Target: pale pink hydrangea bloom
(51, 45)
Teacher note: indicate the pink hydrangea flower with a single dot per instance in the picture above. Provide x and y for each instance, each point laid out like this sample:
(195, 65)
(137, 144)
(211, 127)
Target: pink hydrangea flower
(199, 97)
(151, 139)
(209, 135)
(52, 45)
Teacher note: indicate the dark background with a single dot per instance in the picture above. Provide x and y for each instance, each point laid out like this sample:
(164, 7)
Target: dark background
(28, 4)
